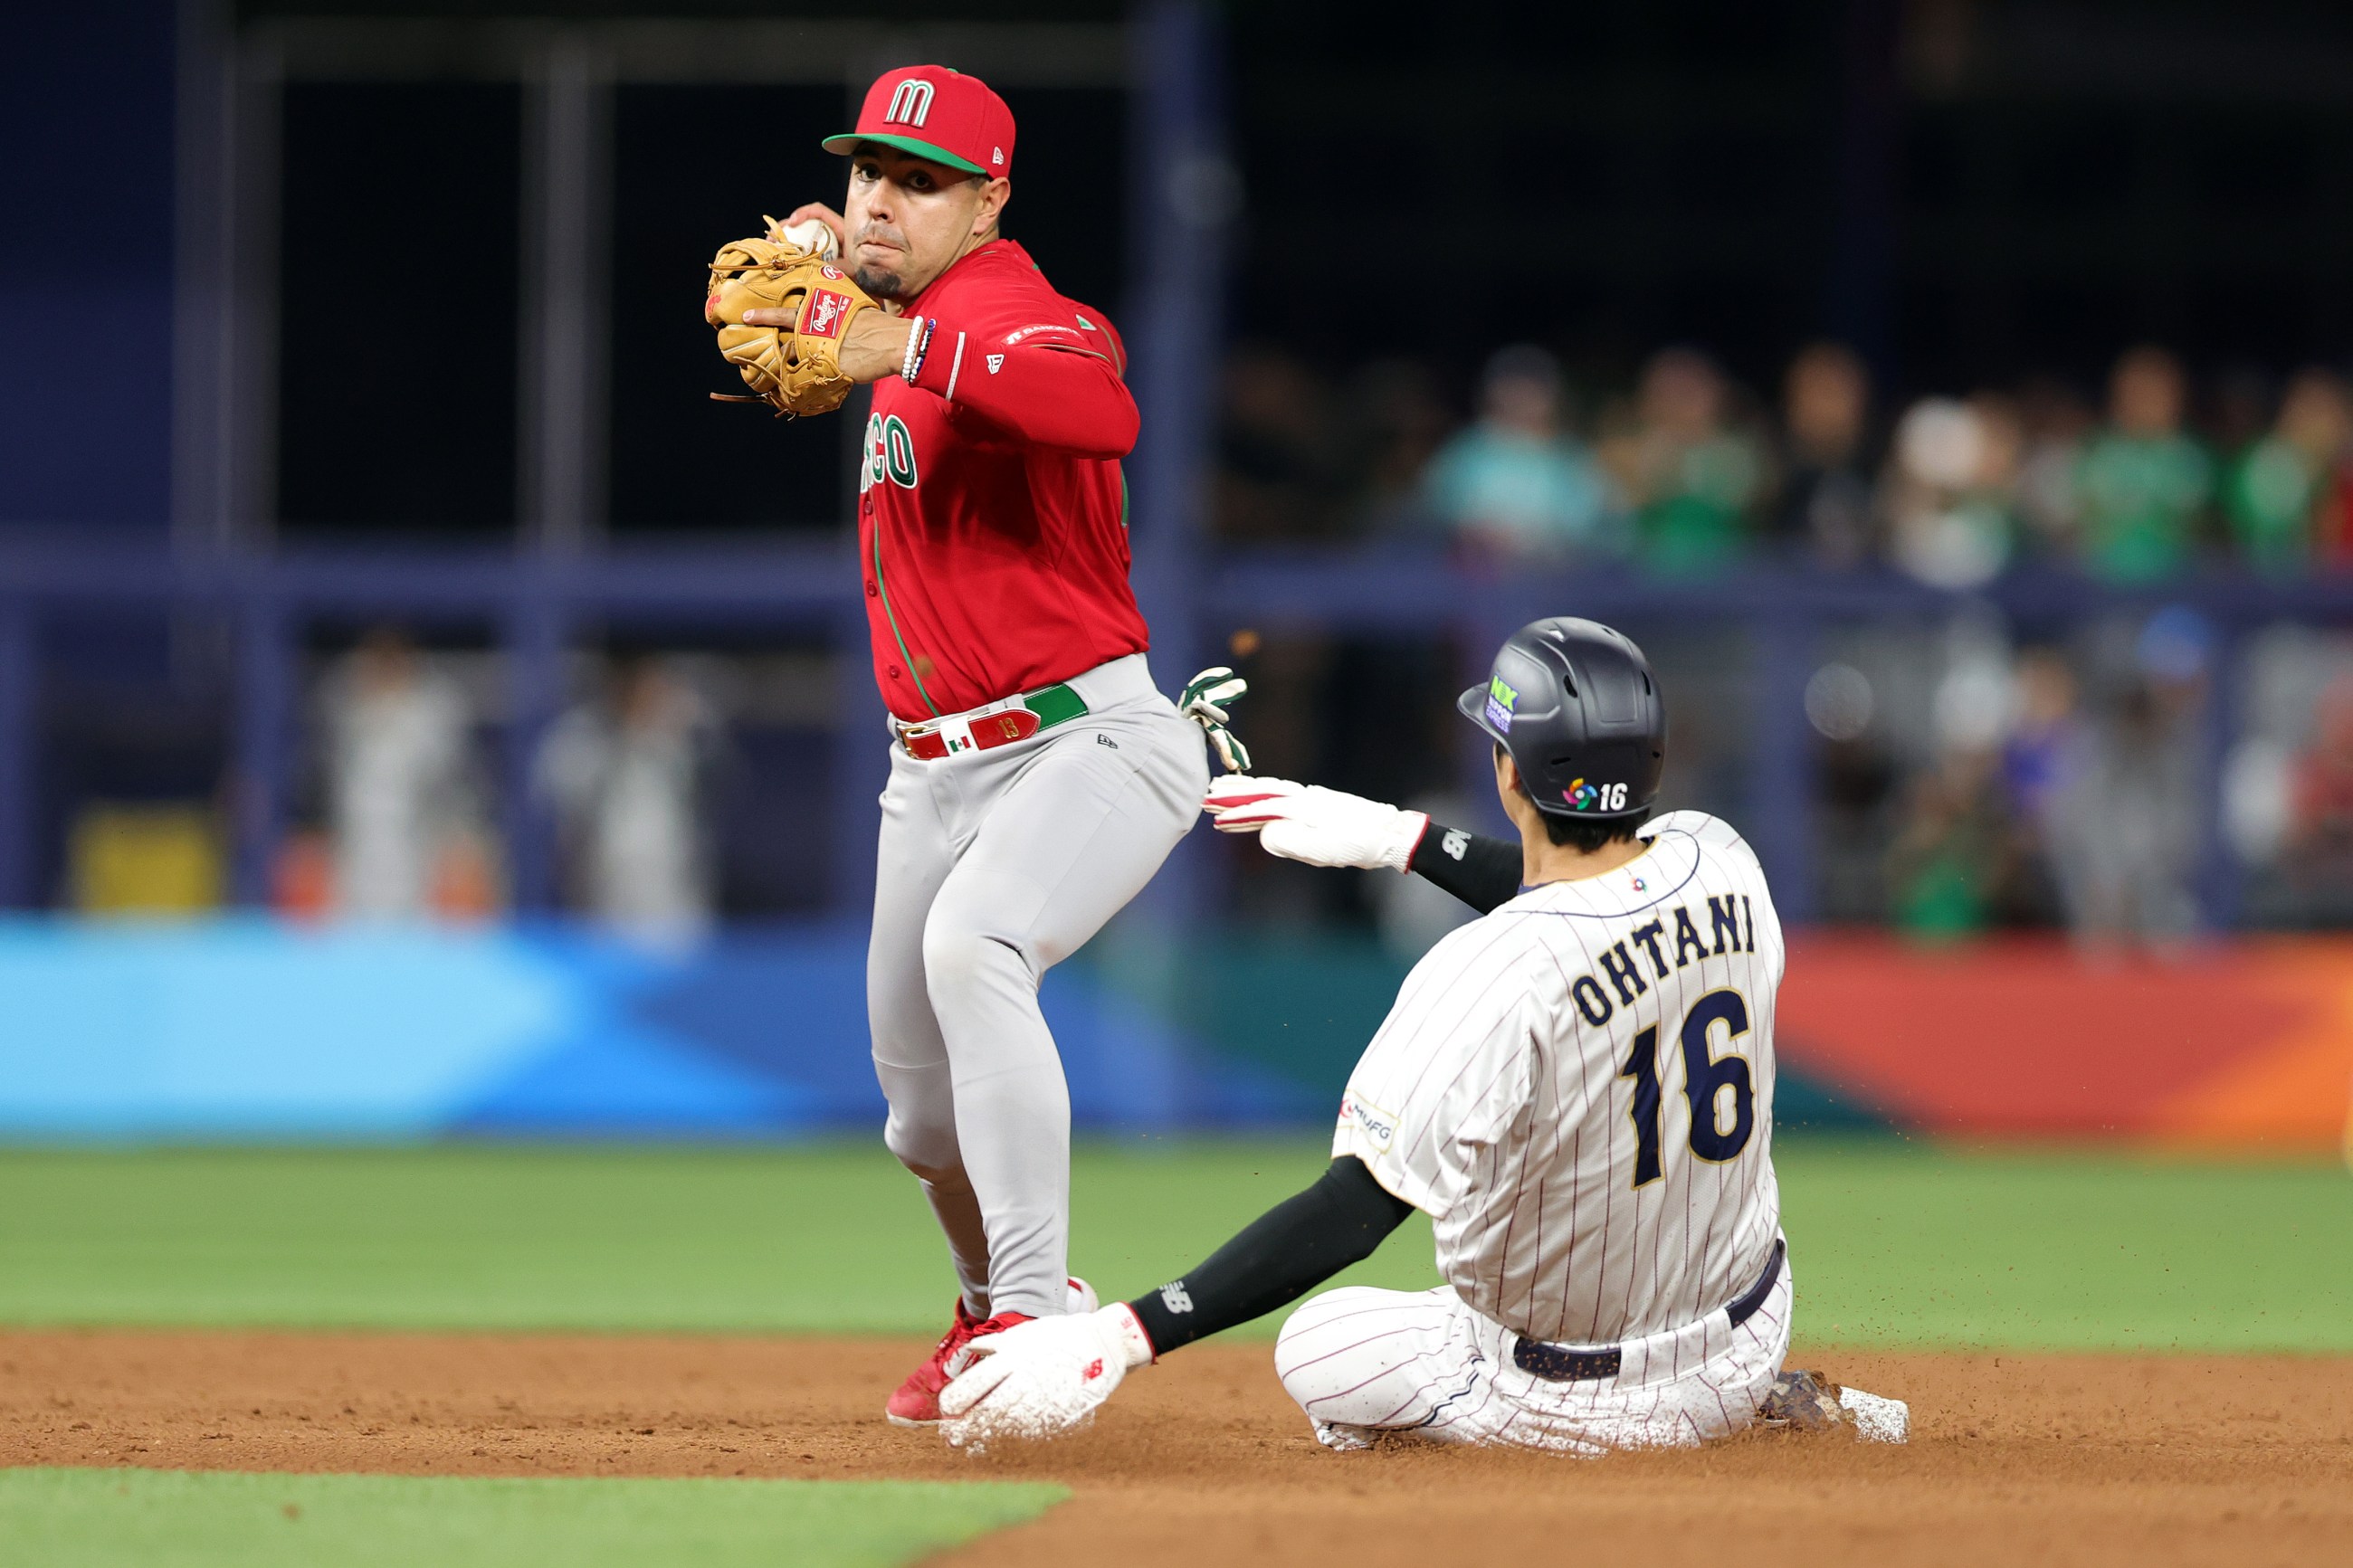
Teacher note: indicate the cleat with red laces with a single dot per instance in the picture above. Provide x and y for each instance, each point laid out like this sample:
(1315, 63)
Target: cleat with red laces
(917, 1401)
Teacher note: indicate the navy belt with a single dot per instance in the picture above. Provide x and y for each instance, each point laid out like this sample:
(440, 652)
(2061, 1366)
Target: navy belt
(1558, 1363)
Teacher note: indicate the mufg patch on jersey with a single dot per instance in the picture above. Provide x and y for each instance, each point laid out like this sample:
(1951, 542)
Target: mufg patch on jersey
(1501, 700)
(1379, 1126)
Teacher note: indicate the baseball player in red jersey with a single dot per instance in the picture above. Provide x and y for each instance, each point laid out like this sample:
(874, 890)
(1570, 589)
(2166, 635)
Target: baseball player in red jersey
(1037, 777)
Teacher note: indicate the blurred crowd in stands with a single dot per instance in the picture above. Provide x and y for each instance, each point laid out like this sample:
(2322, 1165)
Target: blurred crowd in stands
(1972, 774)
(1970, 784)
(2073, 782)
(1686, 471)
(1968, 779)
(407, 831)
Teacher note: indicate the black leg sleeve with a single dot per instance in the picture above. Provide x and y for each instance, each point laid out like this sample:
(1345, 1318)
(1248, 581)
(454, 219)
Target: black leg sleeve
(1278, 1257)
(1482, 872)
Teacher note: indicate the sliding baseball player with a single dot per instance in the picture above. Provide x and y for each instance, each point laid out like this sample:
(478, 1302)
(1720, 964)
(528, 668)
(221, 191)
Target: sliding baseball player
(1577, 1088)
(1038, 776)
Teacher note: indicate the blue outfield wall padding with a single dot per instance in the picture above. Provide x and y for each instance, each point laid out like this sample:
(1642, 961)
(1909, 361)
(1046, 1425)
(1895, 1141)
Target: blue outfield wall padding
(626, 1083)
(250, 1029)
(247, 1028)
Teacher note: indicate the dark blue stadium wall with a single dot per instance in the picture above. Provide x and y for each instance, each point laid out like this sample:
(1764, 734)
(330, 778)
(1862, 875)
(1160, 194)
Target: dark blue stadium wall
(86, 198)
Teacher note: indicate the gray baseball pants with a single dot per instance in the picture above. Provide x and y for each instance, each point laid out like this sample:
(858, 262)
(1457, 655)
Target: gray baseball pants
(993, 867)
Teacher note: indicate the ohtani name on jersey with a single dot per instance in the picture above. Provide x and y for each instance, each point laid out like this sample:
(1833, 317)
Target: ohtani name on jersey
(889, 454)
(1622, 966)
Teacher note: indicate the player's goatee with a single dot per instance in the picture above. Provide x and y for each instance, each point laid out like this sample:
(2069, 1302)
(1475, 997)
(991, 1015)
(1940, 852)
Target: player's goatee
(878, 281)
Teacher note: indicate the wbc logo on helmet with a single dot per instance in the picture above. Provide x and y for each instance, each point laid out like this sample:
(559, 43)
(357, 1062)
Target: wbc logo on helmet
(910, 101)
(1583, 796)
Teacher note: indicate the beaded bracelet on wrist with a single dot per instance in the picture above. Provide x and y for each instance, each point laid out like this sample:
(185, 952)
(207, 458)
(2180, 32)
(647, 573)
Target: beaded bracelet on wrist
(919, 342)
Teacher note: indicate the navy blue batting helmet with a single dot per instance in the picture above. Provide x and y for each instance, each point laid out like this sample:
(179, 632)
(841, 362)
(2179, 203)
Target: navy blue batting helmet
(1576, 705)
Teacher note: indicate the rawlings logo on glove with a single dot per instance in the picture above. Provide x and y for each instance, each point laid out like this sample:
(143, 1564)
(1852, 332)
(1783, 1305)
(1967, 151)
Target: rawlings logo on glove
(827, 312)
(795, 370)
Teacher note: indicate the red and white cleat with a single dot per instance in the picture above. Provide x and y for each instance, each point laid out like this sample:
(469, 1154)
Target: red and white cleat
(916, 1402)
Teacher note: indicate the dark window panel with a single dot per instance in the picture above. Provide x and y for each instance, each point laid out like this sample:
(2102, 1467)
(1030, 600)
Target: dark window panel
(1069, 191)
(397, 329)
(2075, 327)
(2078, 163)
(2256, 318)
(684, 184)
(2257, 166)
(1602, 179)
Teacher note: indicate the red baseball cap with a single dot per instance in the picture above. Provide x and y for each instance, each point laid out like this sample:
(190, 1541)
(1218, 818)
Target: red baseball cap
(936, 114)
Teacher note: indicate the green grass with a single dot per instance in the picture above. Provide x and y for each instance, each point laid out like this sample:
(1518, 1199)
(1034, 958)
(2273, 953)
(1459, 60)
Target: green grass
(161, 1518)
(1893, 1243)
(1898, 1244)
(828, 1239)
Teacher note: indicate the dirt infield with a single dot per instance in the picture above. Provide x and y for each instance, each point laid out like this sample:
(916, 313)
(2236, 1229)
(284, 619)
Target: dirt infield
(2015, 1459)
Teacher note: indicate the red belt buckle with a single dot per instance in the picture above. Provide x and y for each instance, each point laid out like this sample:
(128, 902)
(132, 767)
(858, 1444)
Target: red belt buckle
(948, 737)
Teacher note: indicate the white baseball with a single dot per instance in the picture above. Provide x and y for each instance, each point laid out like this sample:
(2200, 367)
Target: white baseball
(813, 234)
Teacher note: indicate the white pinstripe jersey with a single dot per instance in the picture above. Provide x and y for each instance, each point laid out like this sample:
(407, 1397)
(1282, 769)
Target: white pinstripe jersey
(1577, 1089)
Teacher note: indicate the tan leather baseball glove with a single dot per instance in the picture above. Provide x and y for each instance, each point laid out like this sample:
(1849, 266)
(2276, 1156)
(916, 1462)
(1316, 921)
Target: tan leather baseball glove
(796, 371)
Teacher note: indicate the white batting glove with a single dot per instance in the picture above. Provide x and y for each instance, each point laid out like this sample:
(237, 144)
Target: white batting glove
(1203, 701)
(1044, 1378)
(1319, 826)
(1233, 803)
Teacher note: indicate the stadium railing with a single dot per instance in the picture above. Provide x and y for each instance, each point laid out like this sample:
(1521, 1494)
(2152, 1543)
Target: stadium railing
(540, 604)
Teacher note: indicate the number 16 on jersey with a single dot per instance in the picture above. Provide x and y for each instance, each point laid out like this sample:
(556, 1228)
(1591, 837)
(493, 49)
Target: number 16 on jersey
(1707, 1079)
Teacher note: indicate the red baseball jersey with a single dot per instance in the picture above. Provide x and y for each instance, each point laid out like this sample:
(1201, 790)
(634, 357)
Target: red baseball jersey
(992, 515)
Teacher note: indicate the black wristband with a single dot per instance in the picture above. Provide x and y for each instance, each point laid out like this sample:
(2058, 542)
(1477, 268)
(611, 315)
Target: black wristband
(1278, 1257)
(1484, 873)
